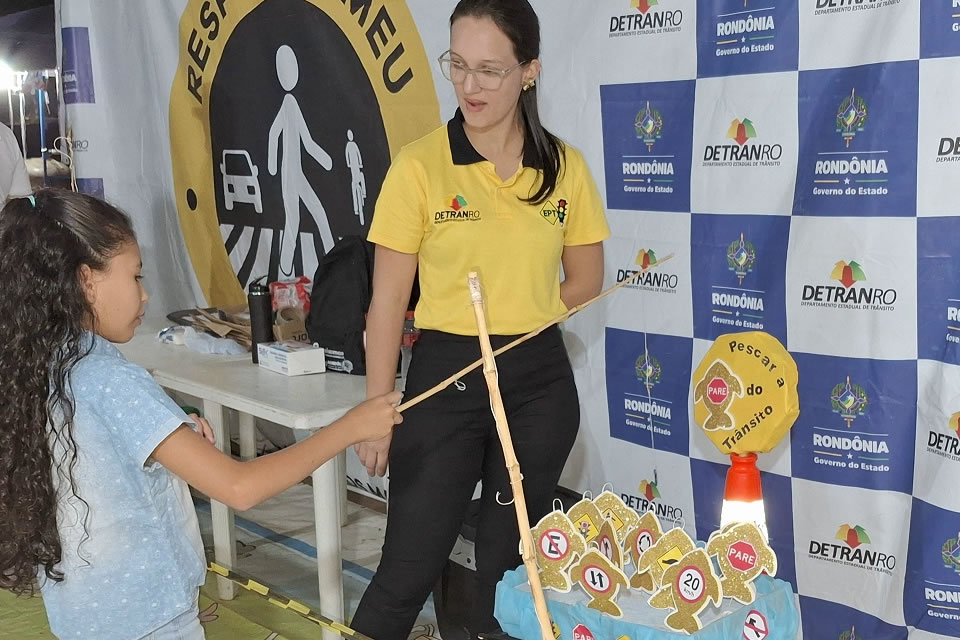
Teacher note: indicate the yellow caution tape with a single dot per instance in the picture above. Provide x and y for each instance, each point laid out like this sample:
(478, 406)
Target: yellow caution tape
(283, 602)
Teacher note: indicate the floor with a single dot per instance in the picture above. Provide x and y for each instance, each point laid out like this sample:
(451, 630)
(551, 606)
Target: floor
(277, 545)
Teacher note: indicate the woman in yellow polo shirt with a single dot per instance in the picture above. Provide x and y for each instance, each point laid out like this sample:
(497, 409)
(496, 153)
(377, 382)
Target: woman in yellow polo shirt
(493, 191)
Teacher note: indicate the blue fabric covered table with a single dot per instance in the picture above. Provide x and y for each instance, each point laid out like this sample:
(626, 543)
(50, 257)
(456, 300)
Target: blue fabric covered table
(772, 616)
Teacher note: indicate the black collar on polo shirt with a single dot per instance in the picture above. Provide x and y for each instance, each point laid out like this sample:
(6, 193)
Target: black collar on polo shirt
(464, 153)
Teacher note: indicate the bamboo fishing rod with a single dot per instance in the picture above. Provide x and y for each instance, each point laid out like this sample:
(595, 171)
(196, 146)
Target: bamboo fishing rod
(580, 307)
(510, 458)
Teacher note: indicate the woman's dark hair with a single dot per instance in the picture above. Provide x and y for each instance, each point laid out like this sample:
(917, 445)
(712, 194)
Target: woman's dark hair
(519, 22)
(44, 316)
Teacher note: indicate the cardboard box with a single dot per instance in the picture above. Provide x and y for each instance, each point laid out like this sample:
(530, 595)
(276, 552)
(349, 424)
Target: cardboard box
(291, 358)
(290, 325)
(290, 332)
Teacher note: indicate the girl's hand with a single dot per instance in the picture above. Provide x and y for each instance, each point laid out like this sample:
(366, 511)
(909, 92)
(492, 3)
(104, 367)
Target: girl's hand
(204, 428)
(374, 418)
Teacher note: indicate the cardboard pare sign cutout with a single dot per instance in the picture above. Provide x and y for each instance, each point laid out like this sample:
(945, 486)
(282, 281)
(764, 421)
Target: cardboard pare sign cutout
(745, 392)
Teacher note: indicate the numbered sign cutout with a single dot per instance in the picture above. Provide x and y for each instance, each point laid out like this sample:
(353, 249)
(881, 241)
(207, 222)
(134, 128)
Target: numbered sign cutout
(690, 584)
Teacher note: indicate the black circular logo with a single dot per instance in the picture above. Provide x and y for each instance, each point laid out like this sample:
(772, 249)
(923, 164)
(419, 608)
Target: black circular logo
(283, 121)
(297, 137)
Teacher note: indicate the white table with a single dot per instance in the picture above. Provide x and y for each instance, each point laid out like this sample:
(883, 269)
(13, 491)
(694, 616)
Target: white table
(300, 403)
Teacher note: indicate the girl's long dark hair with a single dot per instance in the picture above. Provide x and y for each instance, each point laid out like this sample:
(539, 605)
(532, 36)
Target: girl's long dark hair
(519, 22)
(44, 316)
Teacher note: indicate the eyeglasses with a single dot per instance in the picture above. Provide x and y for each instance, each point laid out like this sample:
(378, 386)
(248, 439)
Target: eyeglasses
(488, 78)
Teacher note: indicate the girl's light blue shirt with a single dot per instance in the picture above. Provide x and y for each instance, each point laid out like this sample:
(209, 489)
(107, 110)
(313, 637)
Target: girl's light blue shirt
(140, 562)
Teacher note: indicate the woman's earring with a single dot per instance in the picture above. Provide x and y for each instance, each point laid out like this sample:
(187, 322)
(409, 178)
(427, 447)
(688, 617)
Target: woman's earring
(530, 85)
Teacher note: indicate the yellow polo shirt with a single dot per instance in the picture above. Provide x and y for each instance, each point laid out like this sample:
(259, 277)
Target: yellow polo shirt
(443, 201)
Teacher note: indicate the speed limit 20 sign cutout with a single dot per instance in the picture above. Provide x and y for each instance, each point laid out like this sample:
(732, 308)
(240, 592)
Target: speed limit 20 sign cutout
(690, 584)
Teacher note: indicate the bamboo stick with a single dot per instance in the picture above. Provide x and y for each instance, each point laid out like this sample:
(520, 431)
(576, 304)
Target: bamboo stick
(510, 457)
(459, 374)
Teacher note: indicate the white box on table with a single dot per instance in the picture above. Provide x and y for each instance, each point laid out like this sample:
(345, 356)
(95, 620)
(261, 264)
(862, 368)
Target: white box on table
(291, 358)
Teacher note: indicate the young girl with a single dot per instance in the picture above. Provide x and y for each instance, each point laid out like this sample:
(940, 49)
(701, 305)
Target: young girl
(94, 457)
(491, 190)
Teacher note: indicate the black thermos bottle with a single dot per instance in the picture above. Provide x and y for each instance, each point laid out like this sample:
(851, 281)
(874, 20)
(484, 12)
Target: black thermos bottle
(261, 315)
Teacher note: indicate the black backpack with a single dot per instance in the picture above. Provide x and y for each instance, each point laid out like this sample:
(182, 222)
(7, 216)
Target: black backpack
(339, 301)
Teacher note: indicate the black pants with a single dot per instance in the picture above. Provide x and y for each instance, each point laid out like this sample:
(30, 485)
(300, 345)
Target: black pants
(444, 446)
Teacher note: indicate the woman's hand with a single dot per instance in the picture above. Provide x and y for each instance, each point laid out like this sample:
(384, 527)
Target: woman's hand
(204, 428)
(375, 455)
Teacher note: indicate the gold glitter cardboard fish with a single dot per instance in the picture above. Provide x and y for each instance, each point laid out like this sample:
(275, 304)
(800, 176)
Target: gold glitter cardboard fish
(717, 389)
(608, 543)
(664, 553)
(602, 581)
(743, 554)
(557, 543)
(687, 587)
(639, 539)
(613, 508)
(586, 518)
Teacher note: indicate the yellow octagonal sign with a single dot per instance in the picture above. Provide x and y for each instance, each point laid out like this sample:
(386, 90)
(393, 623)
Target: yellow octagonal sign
(745, 392)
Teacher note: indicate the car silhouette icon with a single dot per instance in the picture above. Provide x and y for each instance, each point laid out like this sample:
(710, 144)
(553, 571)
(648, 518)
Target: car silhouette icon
(240, 182)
